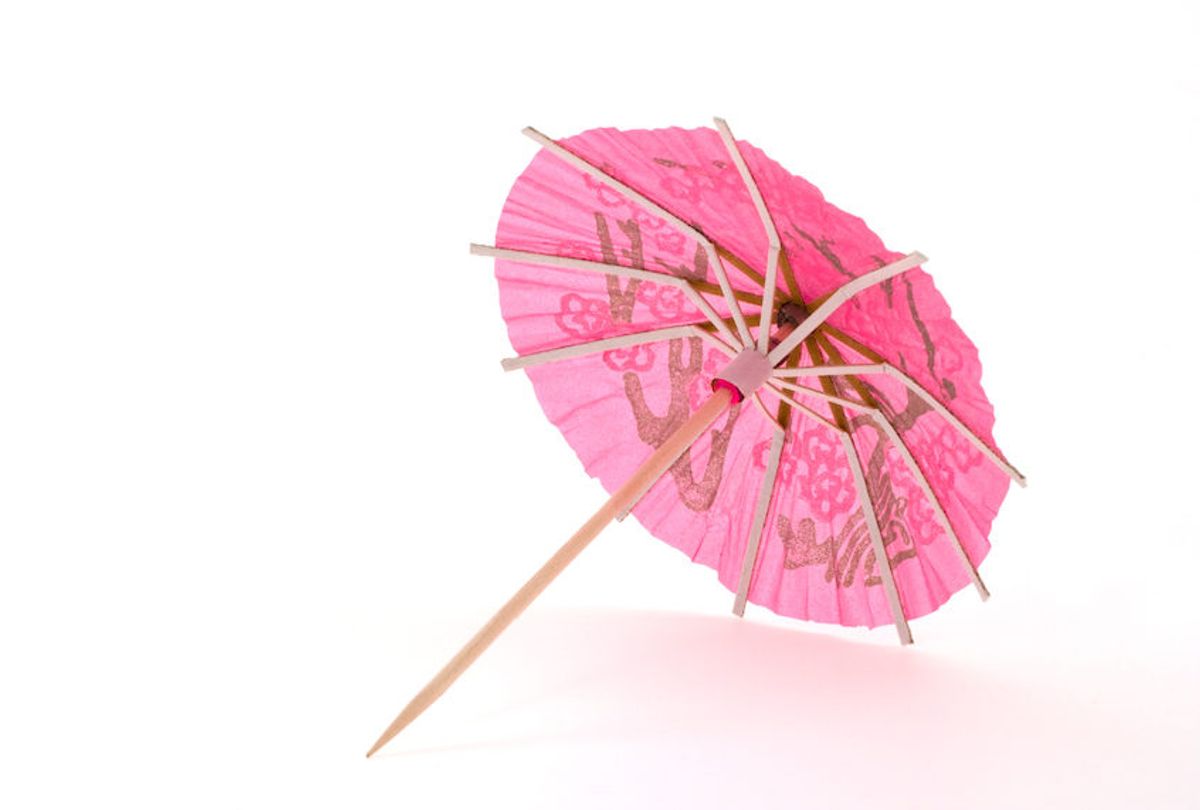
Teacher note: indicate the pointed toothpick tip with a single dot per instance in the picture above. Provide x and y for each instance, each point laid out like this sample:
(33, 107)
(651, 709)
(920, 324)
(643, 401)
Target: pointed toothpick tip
(383, 740)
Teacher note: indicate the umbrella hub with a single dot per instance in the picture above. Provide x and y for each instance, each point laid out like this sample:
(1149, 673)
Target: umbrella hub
(750, 369)
(744, 374)
(788, 317)
(791, 313)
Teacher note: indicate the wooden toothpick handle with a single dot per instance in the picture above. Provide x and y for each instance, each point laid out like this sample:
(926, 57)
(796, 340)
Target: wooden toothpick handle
(650, 471)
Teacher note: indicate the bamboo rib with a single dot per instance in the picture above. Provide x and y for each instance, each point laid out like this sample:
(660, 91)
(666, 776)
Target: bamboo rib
(618, 342)
(836, 358)
(919, 390)
(800, 406)
(901, 446)
(566, 155)
(881, 557)
(923, 482)
(766, 490)
(839, 297)
(760, 205)
(570, 263)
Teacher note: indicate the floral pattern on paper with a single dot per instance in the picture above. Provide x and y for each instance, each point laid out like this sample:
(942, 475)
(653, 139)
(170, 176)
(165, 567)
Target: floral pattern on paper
(667, 303)
(700, 387)
(695, 493)
(634, 358)
(584, 318)
(827, 483)
(946, 455)
(850, 553)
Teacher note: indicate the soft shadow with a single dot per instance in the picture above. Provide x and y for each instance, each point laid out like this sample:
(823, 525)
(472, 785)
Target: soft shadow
(774, 700)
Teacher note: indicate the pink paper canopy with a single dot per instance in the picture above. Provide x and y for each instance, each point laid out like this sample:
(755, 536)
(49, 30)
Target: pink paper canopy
(815, 559)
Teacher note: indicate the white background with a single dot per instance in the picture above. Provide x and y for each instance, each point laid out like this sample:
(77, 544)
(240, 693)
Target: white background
(261, 473)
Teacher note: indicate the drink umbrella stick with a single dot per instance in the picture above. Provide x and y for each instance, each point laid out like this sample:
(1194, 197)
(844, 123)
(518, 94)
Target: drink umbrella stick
(622, 500)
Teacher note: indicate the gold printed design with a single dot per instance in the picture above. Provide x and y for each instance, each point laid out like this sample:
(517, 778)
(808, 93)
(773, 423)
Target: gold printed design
(621, 299)
(823, 247)
(654, 430)
(698, 273)
(802, 546)
(697, 495)
(842, 556)
(902, 421)
(930, 349)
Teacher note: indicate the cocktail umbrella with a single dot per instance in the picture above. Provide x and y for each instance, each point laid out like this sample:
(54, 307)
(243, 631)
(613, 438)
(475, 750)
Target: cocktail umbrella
(751, 373)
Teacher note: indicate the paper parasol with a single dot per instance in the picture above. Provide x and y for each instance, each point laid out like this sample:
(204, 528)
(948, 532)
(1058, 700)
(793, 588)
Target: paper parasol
(751, 373)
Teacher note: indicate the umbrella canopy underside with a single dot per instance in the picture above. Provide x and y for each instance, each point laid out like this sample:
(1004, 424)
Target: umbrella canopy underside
(677, 220)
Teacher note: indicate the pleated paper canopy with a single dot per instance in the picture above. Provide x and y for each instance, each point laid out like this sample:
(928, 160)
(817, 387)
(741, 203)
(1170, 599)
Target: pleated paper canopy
(619, 360)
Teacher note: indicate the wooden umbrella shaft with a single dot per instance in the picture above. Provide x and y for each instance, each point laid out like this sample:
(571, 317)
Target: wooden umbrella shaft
(621, 501)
